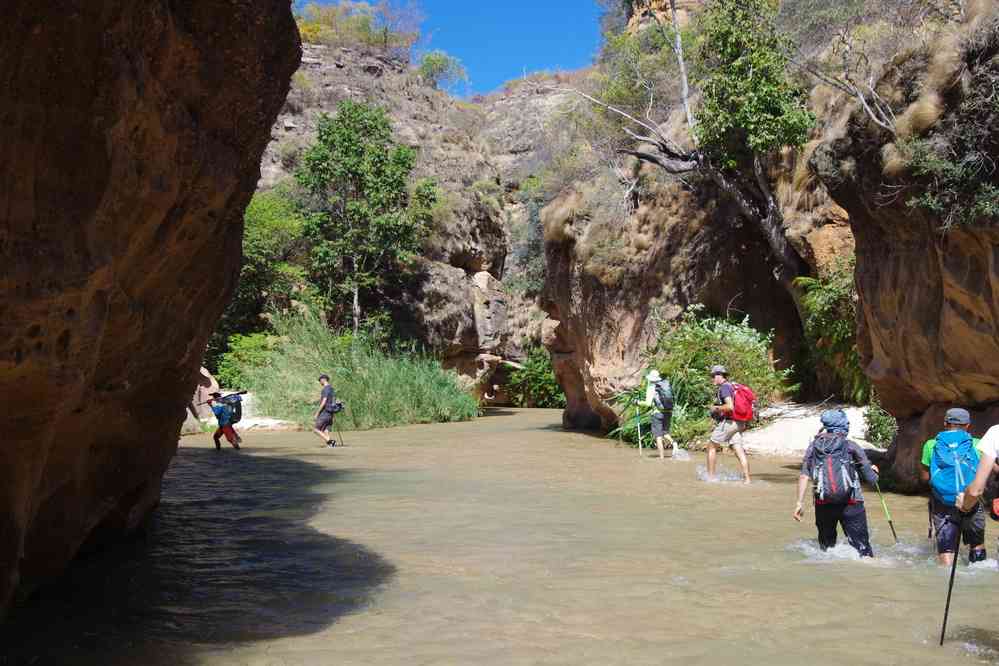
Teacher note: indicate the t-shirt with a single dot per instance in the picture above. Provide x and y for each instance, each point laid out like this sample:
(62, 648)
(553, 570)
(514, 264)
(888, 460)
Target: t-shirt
(330, 397)
(726, 390)
(932, 444)
(222, 413)
(650, 397)
(989, 445)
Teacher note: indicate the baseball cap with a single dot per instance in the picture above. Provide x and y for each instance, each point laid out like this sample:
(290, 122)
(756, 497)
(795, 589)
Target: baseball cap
(719, 370)
(957, 416)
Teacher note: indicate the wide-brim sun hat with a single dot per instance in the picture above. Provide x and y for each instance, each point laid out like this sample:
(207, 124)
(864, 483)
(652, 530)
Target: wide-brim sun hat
(654, 376)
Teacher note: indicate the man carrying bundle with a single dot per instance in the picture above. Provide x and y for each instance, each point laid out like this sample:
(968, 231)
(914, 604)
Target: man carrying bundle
(225, 415)
(831, 463)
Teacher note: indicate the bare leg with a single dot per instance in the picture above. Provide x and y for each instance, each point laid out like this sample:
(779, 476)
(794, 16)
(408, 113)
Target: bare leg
(712, 460)
(323, 435)
(662, 448)
(740, 453)
(946, 559)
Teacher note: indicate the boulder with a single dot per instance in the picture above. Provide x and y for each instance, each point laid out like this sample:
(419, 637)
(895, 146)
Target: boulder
(130, 144)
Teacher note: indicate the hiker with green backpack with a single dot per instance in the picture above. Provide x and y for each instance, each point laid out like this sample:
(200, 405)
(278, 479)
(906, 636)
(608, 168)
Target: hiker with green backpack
(659, 396)
(732, 412)
(949, 463)
(835, 465)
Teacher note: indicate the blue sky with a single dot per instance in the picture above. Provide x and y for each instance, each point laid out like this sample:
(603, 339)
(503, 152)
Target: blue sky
(498, 39)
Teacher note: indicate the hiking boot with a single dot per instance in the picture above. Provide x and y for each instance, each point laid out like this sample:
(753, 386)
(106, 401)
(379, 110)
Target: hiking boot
(218, 447)
(235, 445)
(330, 444)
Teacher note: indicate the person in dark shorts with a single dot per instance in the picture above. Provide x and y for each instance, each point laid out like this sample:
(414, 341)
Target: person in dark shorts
(223, 414)
(324, 415)
(947, 519)
(662, 412)
(832, 463)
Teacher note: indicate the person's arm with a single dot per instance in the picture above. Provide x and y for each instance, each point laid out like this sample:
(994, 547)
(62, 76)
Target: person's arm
(727, 406)
(924, 473)
(966, 501)
(649, 394)
(799, 505)
(867, 471)
(322, 404)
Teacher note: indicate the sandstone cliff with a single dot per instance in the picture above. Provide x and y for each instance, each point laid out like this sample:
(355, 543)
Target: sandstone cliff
(452, 302)
(929, 310)
(132, 137)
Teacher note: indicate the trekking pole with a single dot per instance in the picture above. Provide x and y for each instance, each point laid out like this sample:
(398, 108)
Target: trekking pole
(884, 506)
(638, 422)
(950, 586)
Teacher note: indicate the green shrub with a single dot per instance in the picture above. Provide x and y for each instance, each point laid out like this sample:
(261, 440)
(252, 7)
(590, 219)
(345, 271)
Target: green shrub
(957, 191)
(831, 329)
(388, 26)
(686, 351)
(441, 70)
(881, 426)
(381, 388)
(535, 385)
(245, 351)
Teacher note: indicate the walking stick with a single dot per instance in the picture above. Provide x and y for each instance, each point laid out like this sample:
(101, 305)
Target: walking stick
(950, 586)
(638, 422)
(884, 506)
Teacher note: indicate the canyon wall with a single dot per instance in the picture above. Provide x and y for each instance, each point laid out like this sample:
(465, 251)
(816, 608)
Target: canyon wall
(131, 143)
(929, 296)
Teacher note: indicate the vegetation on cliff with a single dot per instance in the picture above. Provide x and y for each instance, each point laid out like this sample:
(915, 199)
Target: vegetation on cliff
(534, 384)
(685, 352)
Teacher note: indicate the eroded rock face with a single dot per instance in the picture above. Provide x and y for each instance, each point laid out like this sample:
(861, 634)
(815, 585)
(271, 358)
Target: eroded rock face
(929, 304)
(129, 147)
(609, 284)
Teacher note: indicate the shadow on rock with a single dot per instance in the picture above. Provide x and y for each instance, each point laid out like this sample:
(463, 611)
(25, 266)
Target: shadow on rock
(227, 558)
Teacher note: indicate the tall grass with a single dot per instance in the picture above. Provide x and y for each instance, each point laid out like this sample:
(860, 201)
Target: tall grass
(379, 388)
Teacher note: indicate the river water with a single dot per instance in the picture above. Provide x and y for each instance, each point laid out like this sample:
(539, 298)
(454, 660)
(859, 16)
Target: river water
(502, 541)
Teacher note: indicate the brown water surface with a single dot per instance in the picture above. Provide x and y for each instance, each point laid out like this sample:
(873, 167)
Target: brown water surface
(502, 541)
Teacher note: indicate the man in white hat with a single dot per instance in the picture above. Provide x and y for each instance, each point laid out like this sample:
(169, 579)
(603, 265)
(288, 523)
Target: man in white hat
(659, 396)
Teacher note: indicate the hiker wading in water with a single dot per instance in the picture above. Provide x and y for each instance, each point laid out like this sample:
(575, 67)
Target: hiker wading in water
(659, 396)
(727, 426)
(325, 414)
(949, 463)
(223, 414)
(831, 463)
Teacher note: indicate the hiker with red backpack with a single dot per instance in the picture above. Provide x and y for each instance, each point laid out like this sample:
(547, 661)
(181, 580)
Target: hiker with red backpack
(732, 412)
(834, 465)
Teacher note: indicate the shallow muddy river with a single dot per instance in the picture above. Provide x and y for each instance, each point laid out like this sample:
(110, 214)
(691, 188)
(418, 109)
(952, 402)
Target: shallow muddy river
(503, 541)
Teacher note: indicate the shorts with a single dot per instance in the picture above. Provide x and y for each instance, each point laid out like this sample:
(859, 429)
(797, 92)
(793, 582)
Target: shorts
(947, 521)
(661, 422)
(229, 433)
(726, 430)
(324, 421)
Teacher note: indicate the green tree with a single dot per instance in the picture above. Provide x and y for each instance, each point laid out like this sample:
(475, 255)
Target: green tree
(534, 383)
(360, 215)
(441, 70)
(749, 104)
(750, 108)
(273, 248)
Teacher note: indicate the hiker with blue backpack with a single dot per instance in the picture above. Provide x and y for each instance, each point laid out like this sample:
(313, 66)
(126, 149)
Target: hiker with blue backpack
(835, 465)
(228, 411)
(949, 463)
(732, 412)
(659, 396)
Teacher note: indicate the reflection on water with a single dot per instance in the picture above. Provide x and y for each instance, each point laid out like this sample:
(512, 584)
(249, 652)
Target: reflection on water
(510, 543)
(228, 558)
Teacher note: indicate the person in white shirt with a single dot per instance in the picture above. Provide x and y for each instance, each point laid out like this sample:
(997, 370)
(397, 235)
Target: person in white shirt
(662, 414)
(988, 449)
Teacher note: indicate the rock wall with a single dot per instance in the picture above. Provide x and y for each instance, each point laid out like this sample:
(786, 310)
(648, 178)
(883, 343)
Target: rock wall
(441, 304)
(929, 299)
(130, 144)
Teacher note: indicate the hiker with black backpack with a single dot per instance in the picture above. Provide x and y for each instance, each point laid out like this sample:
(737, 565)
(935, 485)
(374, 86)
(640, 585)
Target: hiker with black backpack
(228, 410)
(732, 412)
(329, 406)
(835, 465)
(949, 463)
(659, 396)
